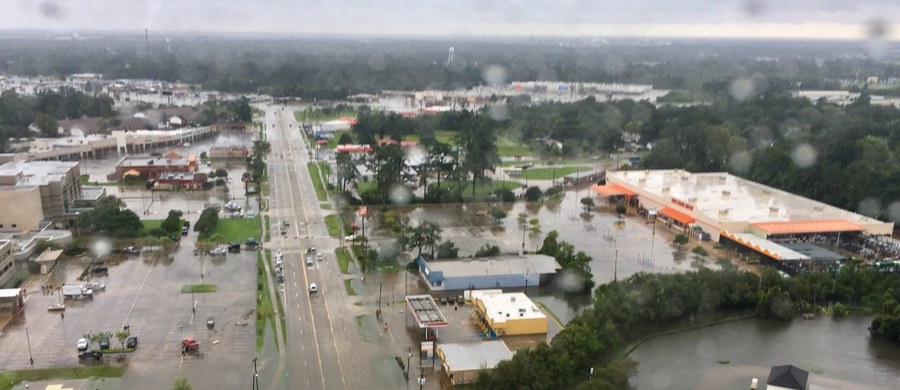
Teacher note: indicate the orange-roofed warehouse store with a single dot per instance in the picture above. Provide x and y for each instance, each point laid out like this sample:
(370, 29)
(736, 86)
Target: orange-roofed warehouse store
(728, 209)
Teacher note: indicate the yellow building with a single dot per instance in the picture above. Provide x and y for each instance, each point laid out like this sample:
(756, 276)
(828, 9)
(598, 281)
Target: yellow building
(508, 314)
(27, 213)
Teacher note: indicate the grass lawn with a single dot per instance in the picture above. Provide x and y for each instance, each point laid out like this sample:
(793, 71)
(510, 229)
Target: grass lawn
(150, 224)
(362, 187)
(482, 189)
(333, 141)
(8, 379)
(320, 116)
(333, 222)
(508, 147)
(268, 229)
(317, 182)
(234, 229)
(264, 308)
(199, 288)
(350, 290)
(344, 259)
(557, 172)
(444, 136)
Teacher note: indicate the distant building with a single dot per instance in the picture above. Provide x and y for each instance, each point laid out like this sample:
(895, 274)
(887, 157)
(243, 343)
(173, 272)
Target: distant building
(229, 152)
(462, 363)
(181, 180)
(7, 265)
(148, 167)
(488, 272)
(41, 190)
(508, 314)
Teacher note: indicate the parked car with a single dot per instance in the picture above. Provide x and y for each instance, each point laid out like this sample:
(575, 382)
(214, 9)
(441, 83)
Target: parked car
(250, 214)
(100, 270)
(82, 344)
(104, 342)
(218, 252)
(97, 286)
(350, 238)
(278, 254)
(210, 322)
(199, 251)
(279, 276)
(234, 247)
(185, 230)
(319, 256)
(252, 242)
(131, 342)
(57, 307)
(90, 355)
(131, 250)
(187, 224)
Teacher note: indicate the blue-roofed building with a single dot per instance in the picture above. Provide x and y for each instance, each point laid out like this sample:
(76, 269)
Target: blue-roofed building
(487, 272)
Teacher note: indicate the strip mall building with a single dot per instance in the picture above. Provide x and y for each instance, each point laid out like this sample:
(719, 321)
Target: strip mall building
(732, 210)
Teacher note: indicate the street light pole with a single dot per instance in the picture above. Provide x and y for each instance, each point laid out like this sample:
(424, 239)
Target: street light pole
(616, 267)
(255, 376)
(30, 355)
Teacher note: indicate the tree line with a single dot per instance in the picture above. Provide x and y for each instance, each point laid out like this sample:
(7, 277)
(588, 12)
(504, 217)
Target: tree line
(18, 112)
(626, 311)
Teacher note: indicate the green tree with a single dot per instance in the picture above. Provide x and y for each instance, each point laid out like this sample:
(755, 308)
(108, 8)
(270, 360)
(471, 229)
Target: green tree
(207, 222)
(533, 194)
(497, 213)
(47, 125)
(172, 223)
(447, 250)
(535, 225)
(681, 239)
(345, 139)
(388, 164)
(426, 234)
(478, 141)
(110, 217)
(121, 336)
(587, 202)
(346, 170)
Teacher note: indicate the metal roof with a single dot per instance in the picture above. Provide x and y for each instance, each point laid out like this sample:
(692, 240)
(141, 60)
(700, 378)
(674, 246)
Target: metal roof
(808, 226)
(499, 265)
(10, 292)
(474, 356)
(425, 311)
(766, 247)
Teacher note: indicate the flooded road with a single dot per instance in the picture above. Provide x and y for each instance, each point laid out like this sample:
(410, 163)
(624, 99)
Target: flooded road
(838, 353)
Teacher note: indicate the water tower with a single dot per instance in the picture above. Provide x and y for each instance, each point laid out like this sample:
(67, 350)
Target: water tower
(451, 55)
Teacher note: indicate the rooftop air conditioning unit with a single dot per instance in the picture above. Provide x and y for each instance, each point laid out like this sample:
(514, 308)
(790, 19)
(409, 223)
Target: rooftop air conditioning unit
(773, 211)
(726, 195)
(665, 190)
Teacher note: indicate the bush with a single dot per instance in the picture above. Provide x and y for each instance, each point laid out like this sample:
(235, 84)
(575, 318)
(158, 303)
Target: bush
(504, 195)
(447, 250)
(533, 194)
(488, 250)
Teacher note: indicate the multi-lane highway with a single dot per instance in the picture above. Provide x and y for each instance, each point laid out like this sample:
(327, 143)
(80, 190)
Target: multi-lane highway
(325, 346)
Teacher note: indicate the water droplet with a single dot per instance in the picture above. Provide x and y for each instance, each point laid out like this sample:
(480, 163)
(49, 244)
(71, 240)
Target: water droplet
(740, 162)
(893, 212)
(399, 194)
(804, 156)
(494, 75)
(742, 88)
(869, 207)
(498, 112)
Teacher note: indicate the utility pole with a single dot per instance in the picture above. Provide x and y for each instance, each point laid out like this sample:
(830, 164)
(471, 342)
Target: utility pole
(408, 358)
(378, 312)
(616, 267)
(30, 355)
(255, 376)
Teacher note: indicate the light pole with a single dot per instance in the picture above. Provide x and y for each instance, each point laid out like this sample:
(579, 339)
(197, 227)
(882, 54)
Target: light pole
(30, 355)
(408, 358)
(255, 376)
(616, 267)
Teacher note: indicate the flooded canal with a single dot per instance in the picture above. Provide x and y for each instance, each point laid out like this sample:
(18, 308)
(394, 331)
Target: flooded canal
(838, 353)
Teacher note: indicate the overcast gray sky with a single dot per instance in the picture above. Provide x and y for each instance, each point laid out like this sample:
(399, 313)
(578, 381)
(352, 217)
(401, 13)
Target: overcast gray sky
(750, 18)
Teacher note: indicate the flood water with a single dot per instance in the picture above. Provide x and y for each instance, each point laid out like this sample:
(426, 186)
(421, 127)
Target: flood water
(837, 352)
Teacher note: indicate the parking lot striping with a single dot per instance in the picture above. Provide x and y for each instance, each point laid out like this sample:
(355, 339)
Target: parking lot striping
(138, 295)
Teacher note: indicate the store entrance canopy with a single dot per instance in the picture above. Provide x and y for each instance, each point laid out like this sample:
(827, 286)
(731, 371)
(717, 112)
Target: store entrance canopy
(677, 215)
(612, 190)
(808, 227)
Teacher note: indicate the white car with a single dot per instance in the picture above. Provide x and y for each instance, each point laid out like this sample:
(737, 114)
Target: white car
(279, 262)
(313, 288)
(278, 254)
(218, 252)
(82, 344)
(319, 256)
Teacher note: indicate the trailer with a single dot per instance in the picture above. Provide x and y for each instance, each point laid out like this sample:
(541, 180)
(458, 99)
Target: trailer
(76, 291)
